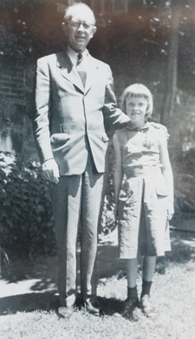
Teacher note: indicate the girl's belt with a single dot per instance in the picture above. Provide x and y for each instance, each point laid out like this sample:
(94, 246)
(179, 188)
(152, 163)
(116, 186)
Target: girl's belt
(131, 172)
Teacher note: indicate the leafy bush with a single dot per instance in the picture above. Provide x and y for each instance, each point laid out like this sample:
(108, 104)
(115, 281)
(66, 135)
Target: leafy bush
(26, 223)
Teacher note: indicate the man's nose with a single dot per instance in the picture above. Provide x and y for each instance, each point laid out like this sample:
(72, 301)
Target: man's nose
(81, 27)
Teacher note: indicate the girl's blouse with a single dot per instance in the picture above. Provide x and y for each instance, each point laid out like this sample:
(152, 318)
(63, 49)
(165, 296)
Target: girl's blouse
(140, 148)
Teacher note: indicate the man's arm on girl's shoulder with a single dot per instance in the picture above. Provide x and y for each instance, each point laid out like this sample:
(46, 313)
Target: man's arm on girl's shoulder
(167, 170)
(117, 172)
(113, 116)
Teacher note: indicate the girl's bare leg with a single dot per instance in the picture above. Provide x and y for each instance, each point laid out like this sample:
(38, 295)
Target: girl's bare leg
(132, 265)
(148, 268)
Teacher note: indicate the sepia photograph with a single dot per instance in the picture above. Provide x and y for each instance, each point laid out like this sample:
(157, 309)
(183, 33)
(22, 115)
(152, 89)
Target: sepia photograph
(97, 169)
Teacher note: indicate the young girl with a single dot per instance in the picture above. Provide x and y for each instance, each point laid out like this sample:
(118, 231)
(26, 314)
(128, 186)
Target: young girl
(143, 185)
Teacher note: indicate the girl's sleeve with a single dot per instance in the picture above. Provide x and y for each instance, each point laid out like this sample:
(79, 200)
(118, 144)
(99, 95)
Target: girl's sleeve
(161, 128)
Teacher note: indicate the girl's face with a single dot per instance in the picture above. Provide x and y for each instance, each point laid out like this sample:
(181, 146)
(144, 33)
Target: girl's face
(136, 110)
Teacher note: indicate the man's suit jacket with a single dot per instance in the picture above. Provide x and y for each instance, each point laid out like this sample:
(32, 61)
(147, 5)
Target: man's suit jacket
(69, 116)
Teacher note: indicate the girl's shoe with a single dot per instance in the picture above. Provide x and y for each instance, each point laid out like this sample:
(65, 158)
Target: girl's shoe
(147, 308)
(128, 308)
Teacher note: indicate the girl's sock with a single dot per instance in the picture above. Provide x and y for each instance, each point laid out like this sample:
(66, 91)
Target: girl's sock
(132, 293)
(146, 286)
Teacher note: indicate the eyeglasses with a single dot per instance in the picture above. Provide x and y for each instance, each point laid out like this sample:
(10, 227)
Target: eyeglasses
(77, 24)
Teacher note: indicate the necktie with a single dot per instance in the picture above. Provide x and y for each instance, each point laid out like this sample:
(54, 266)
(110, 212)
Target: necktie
(82, 74)
(79, 58)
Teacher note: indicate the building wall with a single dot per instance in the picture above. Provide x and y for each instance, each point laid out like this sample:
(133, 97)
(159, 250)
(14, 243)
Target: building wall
(16, 107)
(12, 82)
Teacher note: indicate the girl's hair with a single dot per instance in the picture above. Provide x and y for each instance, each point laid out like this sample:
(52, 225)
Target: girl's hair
(137, 91)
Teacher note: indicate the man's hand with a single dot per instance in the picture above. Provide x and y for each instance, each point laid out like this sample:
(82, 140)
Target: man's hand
(170, 213)
(51, 171)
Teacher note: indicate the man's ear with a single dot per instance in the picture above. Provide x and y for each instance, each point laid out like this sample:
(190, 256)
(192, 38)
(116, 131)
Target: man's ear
(64, 27)
(93, 30)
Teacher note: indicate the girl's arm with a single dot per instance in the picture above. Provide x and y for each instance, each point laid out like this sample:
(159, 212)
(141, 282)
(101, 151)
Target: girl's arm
(117, 172)
(167, 172)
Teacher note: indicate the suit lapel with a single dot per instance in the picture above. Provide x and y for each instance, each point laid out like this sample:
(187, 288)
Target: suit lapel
(68, 71)
(92, 73)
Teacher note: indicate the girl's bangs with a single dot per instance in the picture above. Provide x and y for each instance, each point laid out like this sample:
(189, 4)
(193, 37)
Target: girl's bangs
(138, 95)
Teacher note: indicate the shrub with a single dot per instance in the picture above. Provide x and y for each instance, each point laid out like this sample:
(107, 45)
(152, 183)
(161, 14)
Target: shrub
(26, 223)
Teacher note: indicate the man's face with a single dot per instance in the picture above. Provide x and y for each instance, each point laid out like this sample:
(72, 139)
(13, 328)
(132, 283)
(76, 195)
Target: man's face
(80, 29)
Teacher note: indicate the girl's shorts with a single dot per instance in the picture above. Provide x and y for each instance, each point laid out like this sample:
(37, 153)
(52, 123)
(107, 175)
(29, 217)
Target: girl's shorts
(143, 225)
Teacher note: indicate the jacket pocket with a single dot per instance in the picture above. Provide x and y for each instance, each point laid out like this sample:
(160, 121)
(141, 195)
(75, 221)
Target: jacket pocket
(59, 139)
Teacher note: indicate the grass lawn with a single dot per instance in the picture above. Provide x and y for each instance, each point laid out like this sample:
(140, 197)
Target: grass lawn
(173, 293)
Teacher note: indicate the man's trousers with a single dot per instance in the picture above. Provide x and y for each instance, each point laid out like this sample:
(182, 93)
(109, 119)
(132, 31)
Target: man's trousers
(76, 203)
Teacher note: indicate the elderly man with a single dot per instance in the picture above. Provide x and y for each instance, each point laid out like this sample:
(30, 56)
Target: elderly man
(74, 97)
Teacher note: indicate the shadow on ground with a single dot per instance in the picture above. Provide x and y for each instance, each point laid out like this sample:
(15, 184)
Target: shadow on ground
(32, 285)
(29, 302)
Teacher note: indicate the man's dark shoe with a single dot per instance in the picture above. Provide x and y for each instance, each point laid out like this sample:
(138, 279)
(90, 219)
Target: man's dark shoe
(147, 307)
(65, 311)
(128, 308)
(92, 308)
